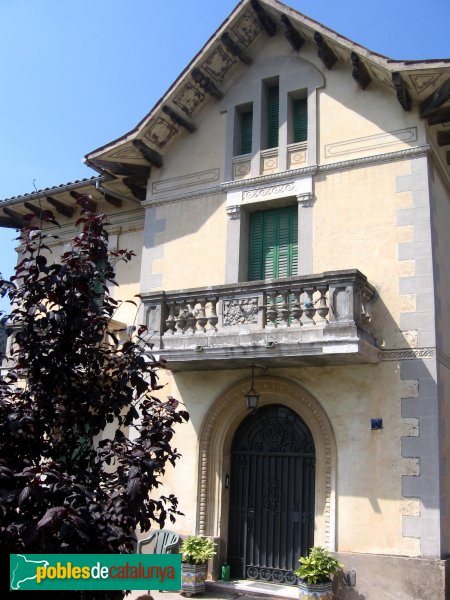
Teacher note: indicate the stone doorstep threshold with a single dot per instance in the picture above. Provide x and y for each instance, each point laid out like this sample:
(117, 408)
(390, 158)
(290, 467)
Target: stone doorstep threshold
(255, 588)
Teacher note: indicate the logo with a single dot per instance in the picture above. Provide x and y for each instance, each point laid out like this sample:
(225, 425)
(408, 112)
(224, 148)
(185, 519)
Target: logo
(95, 571)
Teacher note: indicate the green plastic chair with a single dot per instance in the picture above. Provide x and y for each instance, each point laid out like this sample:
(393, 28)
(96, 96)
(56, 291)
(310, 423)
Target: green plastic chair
(162, 541)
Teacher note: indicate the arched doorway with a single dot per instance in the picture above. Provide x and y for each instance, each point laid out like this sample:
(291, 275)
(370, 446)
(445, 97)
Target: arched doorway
(272, 495)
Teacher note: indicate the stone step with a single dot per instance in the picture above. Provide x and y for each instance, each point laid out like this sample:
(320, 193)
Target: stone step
(253, 589)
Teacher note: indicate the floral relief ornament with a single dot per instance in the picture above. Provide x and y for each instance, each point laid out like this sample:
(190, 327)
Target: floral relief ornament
(240, 312)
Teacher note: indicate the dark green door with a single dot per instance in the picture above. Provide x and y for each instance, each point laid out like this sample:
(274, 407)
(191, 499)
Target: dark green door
(272, 481)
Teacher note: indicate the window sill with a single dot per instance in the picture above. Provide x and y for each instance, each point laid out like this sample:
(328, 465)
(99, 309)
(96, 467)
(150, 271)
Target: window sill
(242, 166)
(297, 155)
(269, 161)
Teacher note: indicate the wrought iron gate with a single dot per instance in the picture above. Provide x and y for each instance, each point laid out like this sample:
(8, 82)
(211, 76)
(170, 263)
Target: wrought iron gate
(271, 519)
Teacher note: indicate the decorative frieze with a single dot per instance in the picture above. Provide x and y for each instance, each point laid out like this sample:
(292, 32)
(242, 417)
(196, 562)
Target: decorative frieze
(176, 183)
(246, 29)
(125, 229)
(424, 353)
(381, 75)
(218, 63)
(189, 99)
(423, 81)
(128, 153)
(374, 159)
(276, 190)
(408, 353)
(370, 142)
(443, 358)
(242, 311)
(301, 173)
(161, 132)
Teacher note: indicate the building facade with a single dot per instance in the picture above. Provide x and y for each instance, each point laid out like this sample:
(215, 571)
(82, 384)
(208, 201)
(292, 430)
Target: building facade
(288, 201)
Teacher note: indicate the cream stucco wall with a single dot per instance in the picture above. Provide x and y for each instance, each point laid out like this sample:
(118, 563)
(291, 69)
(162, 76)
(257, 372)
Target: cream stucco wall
(360, 201)
(369, 508)
(354, 224)
(192, 243)
(128, 275)
(440, 191)
(357, 123)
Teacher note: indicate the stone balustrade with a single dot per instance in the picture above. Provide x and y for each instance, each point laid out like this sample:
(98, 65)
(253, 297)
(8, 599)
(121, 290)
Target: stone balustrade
(296, 315)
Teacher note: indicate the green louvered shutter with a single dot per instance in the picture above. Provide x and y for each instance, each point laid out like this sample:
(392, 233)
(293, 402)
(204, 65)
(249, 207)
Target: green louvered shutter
(300, 120)
(273, 243)
(270, 244)
(293, 265)
(256, 246)
(273, 106)
(287, 242)
(246, 132)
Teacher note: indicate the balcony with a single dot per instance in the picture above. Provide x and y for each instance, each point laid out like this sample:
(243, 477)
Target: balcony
(311, 320)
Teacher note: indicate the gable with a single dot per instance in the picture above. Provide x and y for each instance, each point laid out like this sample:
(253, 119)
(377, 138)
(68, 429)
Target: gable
(418, 87)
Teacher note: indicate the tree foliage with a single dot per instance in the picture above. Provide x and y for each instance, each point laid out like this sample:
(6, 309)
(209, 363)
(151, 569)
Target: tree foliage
(71, 479)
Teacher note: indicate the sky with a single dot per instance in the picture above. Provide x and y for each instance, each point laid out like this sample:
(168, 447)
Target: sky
(76, 74)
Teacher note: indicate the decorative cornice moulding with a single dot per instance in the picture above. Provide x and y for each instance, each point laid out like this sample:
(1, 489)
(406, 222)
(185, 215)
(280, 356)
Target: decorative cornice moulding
(293, 174)
(376, 159)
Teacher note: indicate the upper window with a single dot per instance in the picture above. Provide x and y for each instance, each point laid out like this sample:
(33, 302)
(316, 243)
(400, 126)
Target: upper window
(272, 120)
(273, 115)
(300, 120)
(273, 250)
(244, 129)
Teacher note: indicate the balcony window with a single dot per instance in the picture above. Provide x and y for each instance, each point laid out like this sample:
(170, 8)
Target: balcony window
(273, 248)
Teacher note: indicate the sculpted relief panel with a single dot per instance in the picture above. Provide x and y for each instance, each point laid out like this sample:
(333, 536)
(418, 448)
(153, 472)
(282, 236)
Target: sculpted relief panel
(242, 311)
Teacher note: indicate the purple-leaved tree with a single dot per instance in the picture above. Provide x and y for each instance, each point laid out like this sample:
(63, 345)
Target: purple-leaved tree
(68, 377)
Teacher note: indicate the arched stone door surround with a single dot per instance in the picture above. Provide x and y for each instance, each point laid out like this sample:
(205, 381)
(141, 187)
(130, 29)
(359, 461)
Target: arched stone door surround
(220, 425)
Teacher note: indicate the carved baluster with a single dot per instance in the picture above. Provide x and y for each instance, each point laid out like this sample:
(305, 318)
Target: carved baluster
(308, 307)
(201, 316)
(213, 319)
(191, 320)
(170, 321)
(271, 310)
(296, 309)
(322, 308)
(180, 320)
(283, 309)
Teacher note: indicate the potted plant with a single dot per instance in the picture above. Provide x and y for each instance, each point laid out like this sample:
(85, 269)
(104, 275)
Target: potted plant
(196, 551)
(315, 573)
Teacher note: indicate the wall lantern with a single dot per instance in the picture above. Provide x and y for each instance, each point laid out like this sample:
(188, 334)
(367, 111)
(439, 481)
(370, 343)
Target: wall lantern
(252, 397)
